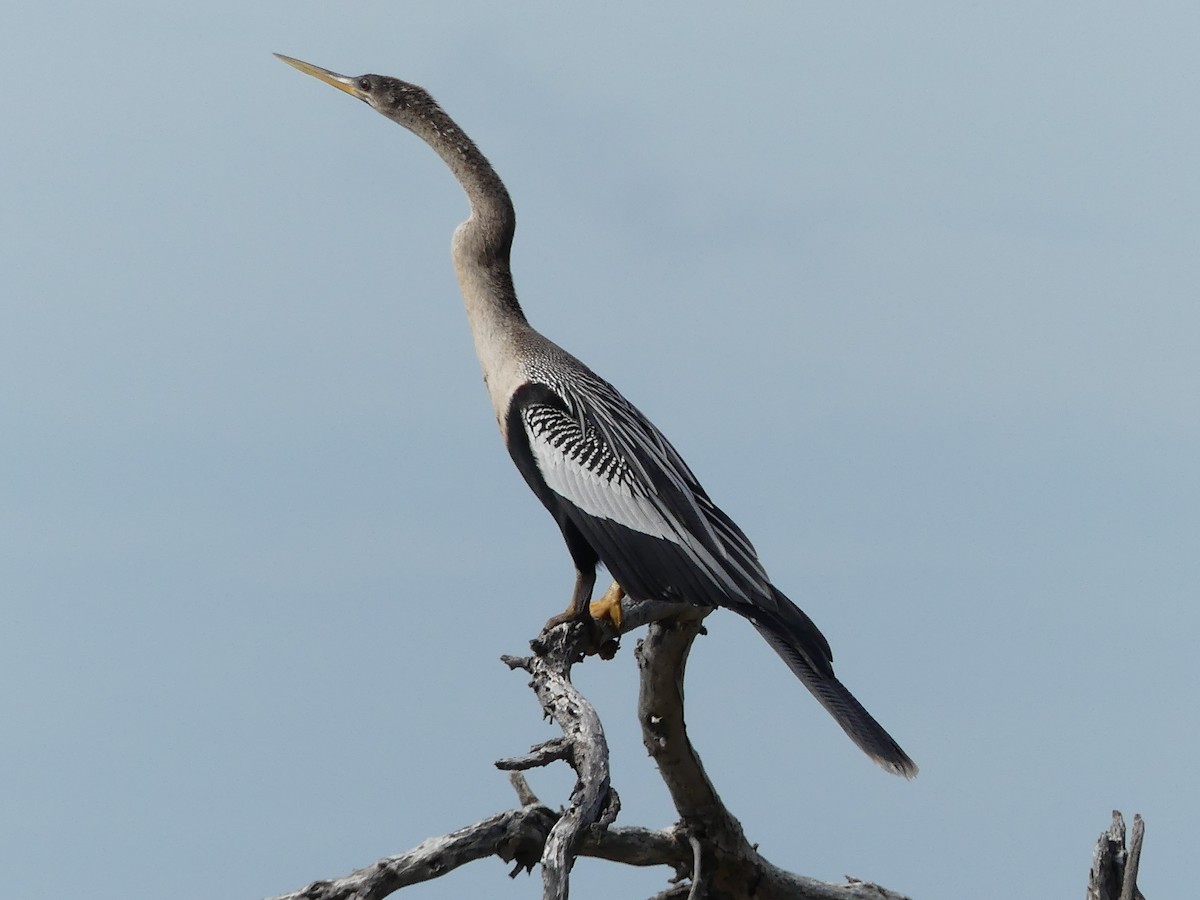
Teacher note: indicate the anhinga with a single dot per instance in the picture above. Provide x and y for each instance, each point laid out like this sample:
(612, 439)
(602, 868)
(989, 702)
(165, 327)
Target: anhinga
(620, 493)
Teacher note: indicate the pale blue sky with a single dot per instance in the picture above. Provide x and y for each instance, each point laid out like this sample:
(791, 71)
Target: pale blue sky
(913, 288)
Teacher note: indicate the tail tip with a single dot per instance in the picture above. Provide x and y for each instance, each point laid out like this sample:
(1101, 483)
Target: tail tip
(898, 765)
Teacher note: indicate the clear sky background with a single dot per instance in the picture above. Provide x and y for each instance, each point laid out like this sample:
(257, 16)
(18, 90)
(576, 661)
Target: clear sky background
(913, 287)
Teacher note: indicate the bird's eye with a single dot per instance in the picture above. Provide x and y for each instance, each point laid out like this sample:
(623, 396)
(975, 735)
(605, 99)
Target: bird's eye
(364, 84)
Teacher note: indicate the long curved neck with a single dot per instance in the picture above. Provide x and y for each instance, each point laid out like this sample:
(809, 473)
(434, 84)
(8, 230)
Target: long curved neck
(483, 243)
(480, 250)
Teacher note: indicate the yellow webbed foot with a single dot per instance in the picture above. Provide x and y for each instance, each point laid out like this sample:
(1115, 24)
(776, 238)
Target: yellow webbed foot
(609, 606)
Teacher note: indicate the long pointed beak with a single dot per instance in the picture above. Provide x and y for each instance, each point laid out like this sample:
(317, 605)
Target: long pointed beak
(341, 82)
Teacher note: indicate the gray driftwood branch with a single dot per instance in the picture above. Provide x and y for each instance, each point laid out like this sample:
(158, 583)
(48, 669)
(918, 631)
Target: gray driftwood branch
(706, 850)
(1115, 868)
(730, 866)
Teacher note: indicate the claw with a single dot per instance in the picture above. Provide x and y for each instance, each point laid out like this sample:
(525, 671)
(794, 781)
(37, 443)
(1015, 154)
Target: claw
(591, 616)
(609, 606)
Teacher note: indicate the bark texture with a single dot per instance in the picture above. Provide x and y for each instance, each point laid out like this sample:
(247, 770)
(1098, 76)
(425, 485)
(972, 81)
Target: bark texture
(706, 851)
(1115, 868)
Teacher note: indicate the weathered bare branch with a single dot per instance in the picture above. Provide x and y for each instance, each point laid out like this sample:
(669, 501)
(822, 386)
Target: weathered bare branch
(525, 794)
(540, 755)
(707, 849)
(1129, 888)
(1114, 869)
(699, 876)
(516, 835)
(730, 865)
(584, 746)
(662, 659)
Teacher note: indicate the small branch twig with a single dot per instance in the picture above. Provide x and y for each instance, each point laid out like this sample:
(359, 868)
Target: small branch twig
(514, 835)
(698, 875)
(541, 755)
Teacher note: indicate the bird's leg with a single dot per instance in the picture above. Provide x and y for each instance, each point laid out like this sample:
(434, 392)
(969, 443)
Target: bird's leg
(591, 614)
(577, 610)
(609, 606)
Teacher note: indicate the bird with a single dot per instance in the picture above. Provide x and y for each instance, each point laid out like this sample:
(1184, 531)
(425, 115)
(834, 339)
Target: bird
(618, 490)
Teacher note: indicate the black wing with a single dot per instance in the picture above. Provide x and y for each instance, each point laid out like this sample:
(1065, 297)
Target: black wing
(633, 498)
(609, 476)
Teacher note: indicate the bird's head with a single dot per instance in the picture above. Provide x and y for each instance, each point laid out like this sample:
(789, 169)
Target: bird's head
(400, 101)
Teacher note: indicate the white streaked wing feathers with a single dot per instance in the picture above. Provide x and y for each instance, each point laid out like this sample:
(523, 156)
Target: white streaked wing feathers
(602, 470)
(597, 496)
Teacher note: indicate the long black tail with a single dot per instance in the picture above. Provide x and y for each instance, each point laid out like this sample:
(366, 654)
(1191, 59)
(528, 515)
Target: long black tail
(802, 646)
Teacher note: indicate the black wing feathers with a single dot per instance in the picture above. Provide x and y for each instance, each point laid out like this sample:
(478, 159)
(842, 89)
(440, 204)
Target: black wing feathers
(614, 484)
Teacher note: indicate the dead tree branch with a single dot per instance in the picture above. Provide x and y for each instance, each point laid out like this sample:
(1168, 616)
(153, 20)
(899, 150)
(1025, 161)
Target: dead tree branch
(731, 866)
(518, 836)
(1114, 869)
(707, 849)
(582, 745)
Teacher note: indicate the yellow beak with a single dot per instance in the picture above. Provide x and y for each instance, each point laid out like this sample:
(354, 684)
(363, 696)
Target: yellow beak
(341, 82)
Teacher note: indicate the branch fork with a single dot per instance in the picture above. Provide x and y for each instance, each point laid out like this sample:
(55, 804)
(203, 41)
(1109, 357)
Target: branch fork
(706, 850)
